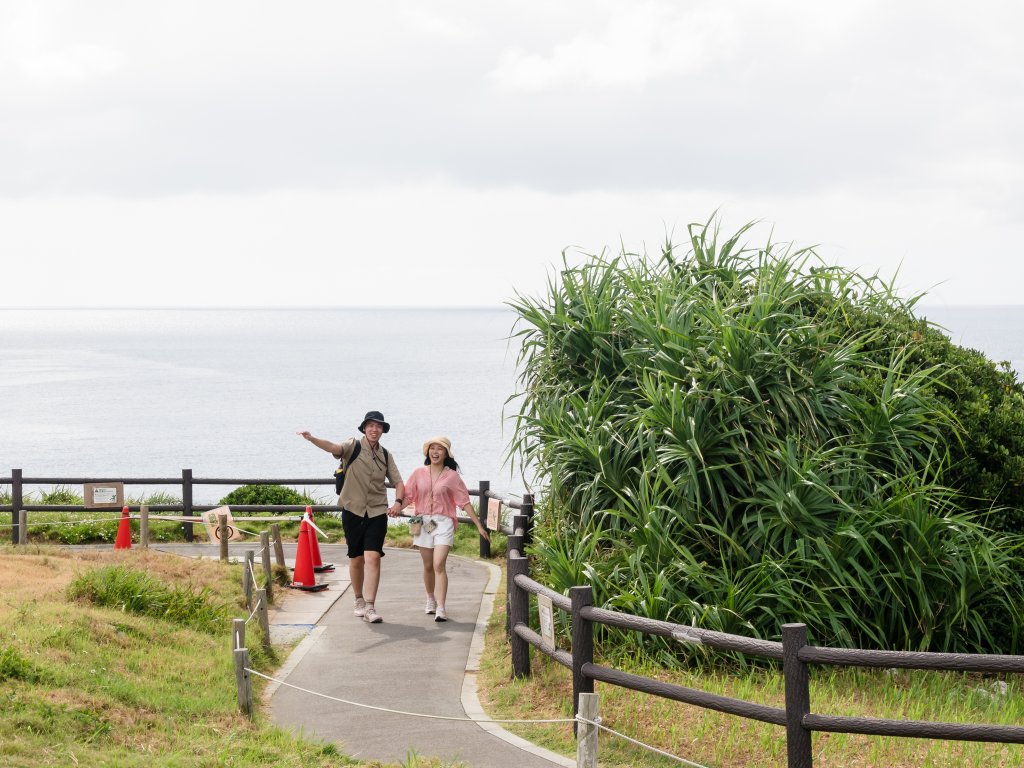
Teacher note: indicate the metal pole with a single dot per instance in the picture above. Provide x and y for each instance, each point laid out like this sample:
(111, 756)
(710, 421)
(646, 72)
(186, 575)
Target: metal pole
(144, 526)
(23, 526)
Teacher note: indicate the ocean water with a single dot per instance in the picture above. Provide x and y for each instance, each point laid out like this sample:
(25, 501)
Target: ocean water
(147, 393)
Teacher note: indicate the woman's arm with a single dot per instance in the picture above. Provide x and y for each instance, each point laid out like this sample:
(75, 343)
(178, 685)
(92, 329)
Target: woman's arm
(468, 509)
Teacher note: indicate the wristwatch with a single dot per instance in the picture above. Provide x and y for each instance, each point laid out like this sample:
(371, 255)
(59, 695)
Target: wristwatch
(399, 501)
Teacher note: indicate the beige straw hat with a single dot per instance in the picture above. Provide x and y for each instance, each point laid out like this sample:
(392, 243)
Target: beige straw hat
(439, 440)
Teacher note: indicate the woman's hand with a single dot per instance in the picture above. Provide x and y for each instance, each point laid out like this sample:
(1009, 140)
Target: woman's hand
(483, 531)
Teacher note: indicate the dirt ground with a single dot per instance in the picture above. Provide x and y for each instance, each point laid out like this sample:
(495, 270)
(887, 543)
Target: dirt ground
(34, 572)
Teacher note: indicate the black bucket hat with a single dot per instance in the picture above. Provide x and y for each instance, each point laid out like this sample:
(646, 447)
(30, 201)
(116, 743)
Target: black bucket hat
(374, 416)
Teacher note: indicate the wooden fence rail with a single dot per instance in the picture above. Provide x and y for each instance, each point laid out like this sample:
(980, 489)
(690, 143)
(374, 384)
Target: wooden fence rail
(794, 653)
(187, 480)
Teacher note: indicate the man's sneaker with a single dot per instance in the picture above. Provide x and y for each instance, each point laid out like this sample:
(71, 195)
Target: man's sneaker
(360, 609)
(431, 605)
(371, 616)
(441, 615)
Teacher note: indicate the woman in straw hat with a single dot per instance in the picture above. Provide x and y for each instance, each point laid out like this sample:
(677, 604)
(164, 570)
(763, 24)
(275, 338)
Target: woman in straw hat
(437, 490)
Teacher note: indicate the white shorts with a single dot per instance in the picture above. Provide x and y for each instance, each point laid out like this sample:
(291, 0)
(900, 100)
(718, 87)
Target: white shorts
(444, 533)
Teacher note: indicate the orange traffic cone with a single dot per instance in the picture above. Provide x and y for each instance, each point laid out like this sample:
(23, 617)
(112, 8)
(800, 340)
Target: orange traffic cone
(314, 546)
(124, 531)
(303, 577)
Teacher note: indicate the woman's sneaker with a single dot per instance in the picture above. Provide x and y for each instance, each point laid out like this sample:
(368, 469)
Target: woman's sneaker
(360, 607)
(431, 605)
(441, 615)
(371, 616)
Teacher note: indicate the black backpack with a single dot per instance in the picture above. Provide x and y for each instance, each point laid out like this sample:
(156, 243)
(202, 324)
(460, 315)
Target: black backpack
(339, 473)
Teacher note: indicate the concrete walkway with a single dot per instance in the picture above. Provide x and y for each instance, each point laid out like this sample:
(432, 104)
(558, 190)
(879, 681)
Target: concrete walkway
(408, 663)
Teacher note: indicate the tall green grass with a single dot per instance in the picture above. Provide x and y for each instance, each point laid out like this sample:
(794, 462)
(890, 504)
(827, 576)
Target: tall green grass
(720, 446)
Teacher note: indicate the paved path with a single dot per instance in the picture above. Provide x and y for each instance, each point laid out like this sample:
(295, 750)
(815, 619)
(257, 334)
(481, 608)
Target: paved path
(409, 663)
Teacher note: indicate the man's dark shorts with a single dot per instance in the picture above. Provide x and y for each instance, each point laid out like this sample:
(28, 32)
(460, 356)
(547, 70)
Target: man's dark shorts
(364, 533)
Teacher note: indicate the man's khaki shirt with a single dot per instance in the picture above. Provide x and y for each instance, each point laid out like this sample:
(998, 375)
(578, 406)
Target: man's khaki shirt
(364, 493)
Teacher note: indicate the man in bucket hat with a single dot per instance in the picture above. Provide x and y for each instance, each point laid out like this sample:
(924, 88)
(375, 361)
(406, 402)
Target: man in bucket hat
(364, 503)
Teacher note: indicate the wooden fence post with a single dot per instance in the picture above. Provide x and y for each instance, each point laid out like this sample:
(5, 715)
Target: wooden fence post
(275, 535)
(242, 681)
(222, 536)
(582, 643)
(519, 613)
(22, 526)
(586, 733)
(515, 545)
(798, 697)
(247, 578)
(527, 510)
(267, 571)
(16, 501)
(186, 503)
(144, 526)
(237, 634)
(485, 544)
(264, 614)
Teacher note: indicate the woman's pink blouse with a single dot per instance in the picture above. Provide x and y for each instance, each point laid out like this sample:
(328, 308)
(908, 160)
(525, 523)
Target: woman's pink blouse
(449, 492)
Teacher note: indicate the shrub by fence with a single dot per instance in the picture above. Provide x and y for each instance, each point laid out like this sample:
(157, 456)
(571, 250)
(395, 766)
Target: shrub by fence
(796, 655)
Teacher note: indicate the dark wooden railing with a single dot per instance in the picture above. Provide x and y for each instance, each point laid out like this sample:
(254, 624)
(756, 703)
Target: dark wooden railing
(187, 482)
(794, 653)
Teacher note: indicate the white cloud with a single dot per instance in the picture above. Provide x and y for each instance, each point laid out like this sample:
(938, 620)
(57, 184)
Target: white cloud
(214, 137)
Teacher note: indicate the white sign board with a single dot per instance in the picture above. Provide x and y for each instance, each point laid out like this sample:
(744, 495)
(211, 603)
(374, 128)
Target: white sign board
(211, 519)
(493, 514)
(547, 620)
(99, 495)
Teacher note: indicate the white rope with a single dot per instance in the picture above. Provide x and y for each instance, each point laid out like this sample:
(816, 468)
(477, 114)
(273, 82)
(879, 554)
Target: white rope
(256, 608)
(171, 519)
(247, 533)
(77, 522)
(309, 521)
(597, 723)
(399, 711)
(253, 574)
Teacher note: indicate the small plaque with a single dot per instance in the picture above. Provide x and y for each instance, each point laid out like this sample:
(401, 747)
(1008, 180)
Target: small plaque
(545, 611)
(211, 519)
(493, 514)
(103, 495)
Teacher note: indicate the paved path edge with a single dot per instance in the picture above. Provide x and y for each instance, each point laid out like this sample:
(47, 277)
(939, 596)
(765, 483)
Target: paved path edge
(470, 699)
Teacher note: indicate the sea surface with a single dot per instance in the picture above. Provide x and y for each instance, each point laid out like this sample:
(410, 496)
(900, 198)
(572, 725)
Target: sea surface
(147, 393)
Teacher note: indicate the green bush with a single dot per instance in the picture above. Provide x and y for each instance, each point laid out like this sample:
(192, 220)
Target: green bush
(985, 439)
(14, 666)
(137, 592)
(735, 438)
(266, 494)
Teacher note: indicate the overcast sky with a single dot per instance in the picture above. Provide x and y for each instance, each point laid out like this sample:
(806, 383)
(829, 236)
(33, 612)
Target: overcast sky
(326, 153)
